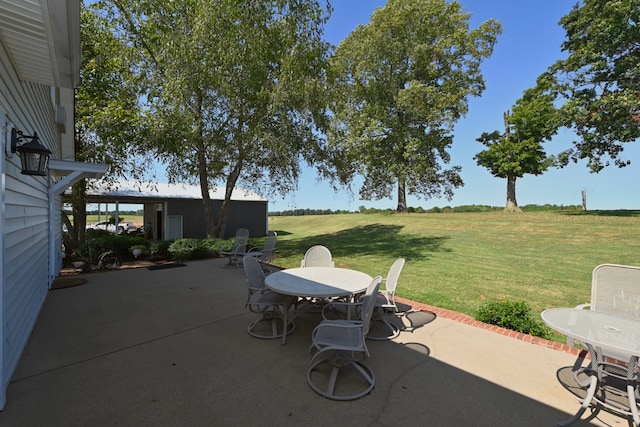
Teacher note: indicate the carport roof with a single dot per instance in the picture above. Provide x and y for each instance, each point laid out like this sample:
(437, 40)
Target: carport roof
(135, 192)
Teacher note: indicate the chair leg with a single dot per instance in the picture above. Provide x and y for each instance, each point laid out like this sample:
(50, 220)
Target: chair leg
(234, 261)
(270, 327)
(344, 371)
(380, 317)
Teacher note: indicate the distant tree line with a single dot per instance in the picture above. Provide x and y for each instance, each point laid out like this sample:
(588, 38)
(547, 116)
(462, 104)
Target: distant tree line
(302, 212)
(436, 209)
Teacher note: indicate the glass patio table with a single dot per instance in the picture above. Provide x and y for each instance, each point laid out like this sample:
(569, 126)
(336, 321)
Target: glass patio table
(317, 282)
(605, 335)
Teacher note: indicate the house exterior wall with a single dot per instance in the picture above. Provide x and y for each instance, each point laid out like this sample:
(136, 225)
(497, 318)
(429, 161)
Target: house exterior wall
(242, 214)
(25, 221)
(56, 252)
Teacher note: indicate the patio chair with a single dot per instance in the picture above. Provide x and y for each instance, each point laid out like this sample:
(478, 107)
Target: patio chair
(267, 303)
(339, 349)
(386, 308)
(615, 289)
(239, 248)
(265, 254)
(317, 256)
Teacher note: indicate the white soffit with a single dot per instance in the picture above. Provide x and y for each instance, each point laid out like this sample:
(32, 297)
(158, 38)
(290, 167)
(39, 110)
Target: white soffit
(43, 39)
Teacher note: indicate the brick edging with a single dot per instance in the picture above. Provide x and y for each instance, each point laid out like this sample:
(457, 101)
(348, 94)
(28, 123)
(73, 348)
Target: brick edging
(466, 319)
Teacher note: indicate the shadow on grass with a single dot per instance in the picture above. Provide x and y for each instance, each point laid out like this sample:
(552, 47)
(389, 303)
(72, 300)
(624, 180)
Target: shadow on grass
(365, 240)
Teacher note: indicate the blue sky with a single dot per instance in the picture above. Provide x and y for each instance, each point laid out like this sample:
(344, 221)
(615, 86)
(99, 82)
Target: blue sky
(529, 43)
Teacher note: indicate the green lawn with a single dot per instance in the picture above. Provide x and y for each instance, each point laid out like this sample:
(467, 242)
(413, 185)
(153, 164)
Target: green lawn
(459, 260)
(136, 219)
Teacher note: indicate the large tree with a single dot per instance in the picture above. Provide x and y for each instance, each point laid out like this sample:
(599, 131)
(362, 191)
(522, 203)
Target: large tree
(403, 81)
(234, 89)
(600, 79)
(519, 149)
(107, 115)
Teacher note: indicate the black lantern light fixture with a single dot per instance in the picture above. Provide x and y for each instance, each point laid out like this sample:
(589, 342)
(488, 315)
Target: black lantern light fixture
(33, 155)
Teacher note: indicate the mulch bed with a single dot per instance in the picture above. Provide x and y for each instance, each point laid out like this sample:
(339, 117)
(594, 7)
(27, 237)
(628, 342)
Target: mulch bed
(68, 282)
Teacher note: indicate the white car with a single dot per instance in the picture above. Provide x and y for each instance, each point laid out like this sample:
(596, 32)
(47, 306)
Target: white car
(105, 225)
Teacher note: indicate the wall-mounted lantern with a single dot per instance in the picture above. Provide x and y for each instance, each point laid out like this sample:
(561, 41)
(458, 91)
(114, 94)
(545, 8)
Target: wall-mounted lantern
(33, 155)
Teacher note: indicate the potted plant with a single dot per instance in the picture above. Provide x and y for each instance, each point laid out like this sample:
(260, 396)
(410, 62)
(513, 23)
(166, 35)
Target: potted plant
(138, 250)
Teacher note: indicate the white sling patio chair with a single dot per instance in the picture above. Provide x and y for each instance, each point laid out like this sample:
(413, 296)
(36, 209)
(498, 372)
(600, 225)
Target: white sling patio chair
(340, 345)
(270, 305)
(317, 256)
(386, 308)
(265, 254)
(239, 248)
(615, 289)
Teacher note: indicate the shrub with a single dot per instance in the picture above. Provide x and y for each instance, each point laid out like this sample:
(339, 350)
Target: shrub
(99, 241)
(216, 246)
(514, 315)
(161, 249)
(185, 249)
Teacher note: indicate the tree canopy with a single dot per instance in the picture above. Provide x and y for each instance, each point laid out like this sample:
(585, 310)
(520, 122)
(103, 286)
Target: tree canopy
(234, 89)
(401, 83)
(107, 115)
(519, 149)
(599, 79)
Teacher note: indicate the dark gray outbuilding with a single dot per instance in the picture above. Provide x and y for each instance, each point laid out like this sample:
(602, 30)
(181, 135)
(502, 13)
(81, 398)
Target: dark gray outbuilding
(176, 210)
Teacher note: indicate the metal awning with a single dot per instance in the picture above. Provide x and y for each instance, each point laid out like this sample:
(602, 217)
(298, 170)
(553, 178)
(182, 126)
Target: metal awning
(131, 192)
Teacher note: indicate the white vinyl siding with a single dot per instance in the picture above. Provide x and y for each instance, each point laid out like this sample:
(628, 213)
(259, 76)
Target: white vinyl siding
(25, 220)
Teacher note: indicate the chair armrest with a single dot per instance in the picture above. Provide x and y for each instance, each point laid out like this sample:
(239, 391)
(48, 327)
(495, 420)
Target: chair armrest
(583, 306)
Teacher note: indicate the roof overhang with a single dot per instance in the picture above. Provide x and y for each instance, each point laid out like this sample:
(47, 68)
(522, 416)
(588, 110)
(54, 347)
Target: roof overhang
(73, 172)
(42, 38)
(131, 192)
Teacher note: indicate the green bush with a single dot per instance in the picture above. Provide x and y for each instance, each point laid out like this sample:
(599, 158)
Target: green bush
(161, 249)
(185, 249)
(100, 241)
(216, 246)
(514, 315)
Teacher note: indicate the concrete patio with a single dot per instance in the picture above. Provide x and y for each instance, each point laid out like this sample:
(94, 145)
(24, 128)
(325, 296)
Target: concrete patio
(169, 347)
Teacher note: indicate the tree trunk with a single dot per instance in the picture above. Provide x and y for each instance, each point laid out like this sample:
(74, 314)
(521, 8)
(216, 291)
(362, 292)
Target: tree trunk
(206, 197)
(232, 179)
(77, 232)
(512, 204)
(208, 209)
(402, 196)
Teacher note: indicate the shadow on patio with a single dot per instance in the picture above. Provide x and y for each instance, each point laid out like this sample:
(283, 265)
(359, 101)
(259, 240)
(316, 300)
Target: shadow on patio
(170, 347)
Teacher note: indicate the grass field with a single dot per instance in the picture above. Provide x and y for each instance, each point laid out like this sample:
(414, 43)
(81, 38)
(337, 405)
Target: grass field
(136, 219)
(459, 260)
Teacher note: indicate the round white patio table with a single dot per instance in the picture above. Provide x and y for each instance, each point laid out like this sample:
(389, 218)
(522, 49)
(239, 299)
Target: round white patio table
(317, 282)
(604, 335)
